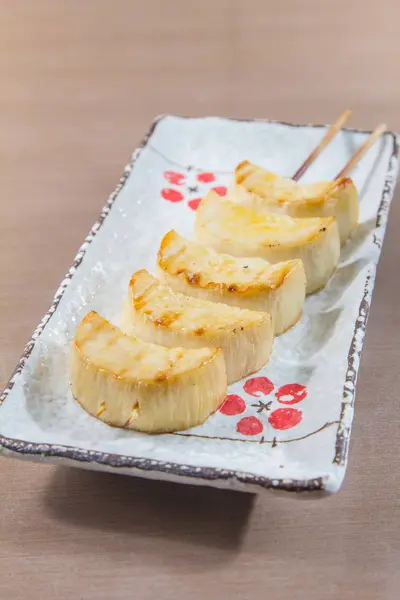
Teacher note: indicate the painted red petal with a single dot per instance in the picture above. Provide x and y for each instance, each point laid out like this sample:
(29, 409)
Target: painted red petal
(174, 177)
(249, 426)
(221, 190)
(194, 203)
(293, 391)
(206, 177)
(285, 418)
(233, 405)
(258, 384)
(171, 195)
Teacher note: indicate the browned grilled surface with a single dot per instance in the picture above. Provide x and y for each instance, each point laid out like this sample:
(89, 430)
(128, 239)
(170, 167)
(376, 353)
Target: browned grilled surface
(166, 262)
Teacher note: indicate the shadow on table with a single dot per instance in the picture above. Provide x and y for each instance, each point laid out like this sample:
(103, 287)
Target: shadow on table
(139, 507)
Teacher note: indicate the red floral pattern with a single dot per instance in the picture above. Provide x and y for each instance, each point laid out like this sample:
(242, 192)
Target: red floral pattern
(194, 203)
(172, 195)
(174, 177)
(285, 418)
(258, 386)
(206, 177)
(193, 184)
(279, 419)
(294, 392)
(221, 190)
(233, 405)
(249, 426)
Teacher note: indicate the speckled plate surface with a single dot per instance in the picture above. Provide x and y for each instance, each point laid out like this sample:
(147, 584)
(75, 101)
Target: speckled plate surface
(286, 427)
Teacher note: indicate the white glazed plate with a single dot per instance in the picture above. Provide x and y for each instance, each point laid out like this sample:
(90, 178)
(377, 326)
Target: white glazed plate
(287, 426)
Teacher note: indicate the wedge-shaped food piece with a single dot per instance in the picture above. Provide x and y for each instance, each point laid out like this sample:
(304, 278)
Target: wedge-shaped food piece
(157, 314)
(260, 189)
(251, 283)
(241, 231)
(129, 383)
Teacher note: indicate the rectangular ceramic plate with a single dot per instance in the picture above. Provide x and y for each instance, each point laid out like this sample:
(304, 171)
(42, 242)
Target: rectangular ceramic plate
(295, 438)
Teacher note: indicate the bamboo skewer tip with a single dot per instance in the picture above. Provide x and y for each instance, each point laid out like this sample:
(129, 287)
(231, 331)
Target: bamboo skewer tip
(330, 134)
(373, 137)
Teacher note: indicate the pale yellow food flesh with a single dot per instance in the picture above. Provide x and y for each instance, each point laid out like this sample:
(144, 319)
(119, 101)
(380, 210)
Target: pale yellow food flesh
(272, 186)
(267, 229)
(260, 189)
(251, 283)
(157, 314)
(241, 231)
(127, 382)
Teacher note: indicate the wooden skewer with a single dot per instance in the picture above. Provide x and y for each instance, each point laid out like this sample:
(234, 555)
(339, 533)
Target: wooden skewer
(333, 130)
(361, 151)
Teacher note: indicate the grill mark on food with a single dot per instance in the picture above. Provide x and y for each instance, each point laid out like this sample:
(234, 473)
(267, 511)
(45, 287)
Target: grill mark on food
(161, 377)
(132, 416)
(239, 175)
(193, 278)
(139, 302)
(101, 409)
(167, 319)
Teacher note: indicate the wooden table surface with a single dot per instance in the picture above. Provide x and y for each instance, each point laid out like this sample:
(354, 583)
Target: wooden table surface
(80, 82)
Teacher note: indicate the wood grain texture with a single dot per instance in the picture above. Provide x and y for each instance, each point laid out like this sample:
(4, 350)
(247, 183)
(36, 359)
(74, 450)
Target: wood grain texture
(80, 82)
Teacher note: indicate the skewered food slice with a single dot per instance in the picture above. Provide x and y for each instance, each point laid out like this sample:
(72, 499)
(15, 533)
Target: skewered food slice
(260, 189)
(156, 314)
(241, 231)
(251, 283)
(126, 382)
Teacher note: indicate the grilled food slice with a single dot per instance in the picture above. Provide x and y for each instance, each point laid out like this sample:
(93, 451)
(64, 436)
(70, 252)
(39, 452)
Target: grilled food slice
(129, 383)
(156, 314)
(251, 283)
(241, 231)
(258, 188)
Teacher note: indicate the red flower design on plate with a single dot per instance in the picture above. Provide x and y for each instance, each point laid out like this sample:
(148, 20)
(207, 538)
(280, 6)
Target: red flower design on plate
(285, 418)
(233, 405)
(221, 190)
(294, 392)
(171, 195)
(194, 203)
(206, 177)
(174, 177)
(258, 386)
(249, 426)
